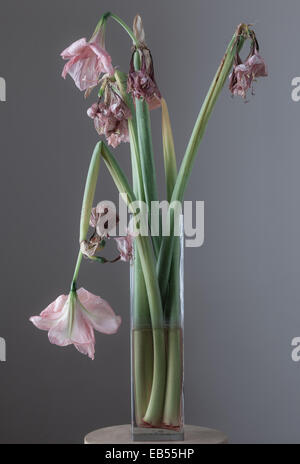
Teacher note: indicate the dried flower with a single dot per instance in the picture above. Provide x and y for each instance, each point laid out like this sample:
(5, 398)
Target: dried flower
(72, 319)
(141, 84)
(138, 29)
(244, 74)
(87, 60)
(89, 247)
(111, 117)
(125, 246)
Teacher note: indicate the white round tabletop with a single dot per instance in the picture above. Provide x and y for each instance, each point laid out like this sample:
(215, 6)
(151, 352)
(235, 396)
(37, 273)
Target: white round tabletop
(121, 434)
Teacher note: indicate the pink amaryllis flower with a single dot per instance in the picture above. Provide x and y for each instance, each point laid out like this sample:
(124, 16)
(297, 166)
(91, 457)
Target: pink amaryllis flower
(72, 319)
(87, 60)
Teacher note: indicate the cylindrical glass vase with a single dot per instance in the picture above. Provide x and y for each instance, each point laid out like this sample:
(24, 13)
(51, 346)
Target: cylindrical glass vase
(157, 356)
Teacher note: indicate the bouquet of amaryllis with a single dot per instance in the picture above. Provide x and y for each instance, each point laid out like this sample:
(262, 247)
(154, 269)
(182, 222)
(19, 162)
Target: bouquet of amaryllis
(121, 114)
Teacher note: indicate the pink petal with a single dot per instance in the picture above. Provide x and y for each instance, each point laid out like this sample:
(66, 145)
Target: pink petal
(88, 349)
(74, 49)
(125, 247)
(104, 59)
(53, 311)
(99, 313)
(59, 333)
(49, 316)
(83, 71)
(82, 330)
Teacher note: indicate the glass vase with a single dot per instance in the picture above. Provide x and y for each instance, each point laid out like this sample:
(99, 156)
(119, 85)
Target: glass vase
(157, 356)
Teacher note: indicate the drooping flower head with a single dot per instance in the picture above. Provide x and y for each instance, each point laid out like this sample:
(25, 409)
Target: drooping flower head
(141, 82)
(87, 60)
(111, 117)
(103, 220)
(72, 319)
(244, 74)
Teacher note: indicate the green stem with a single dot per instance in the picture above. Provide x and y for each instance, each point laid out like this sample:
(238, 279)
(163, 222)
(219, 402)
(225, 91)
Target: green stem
(101, 23)
(126, 27)
(87, 203)
(173, 399)
(154, 411)
(142, 342)
(76, 271)
(169, 150)
(89, 192)
(142, 353)
(166, 249)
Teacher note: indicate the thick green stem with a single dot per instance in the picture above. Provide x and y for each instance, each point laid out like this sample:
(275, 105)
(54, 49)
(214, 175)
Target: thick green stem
(89, 192)
(154, 411)
(126, 28)
(172, 416)
(173, 396)
(147, 160)
(142, 343)
(166, 249)
(146, 154)
(169, 150)
(142, 353)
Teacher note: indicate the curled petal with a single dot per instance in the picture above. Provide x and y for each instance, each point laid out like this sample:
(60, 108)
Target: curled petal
(88, 349)
(87, 60)
(51, 314)
(74, 49)
(99, 313)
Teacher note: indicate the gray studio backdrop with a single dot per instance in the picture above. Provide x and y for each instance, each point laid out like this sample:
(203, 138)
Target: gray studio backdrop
(242, 292)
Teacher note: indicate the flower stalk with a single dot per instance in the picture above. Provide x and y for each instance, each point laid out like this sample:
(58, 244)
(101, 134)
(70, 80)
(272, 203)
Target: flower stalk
(166, 249)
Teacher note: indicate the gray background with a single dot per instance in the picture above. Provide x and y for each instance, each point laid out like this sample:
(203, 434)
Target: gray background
(242, 297)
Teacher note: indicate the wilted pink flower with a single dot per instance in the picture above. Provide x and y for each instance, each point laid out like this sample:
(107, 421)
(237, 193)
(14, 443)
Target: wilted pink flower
(111, 118)
(125, 246)
(89, 247)
(256, 65)
(141, 84)
(243, 74)
(240, 80)
(87, 60)
(72, 319)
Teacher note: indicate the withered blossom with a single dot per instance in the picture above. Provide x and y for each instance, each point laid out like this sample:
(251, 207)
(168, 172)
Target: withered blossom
(125, 246)
(244, 74)
(86, 61)
(141, 83)
(89, 247)
(111, 117)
